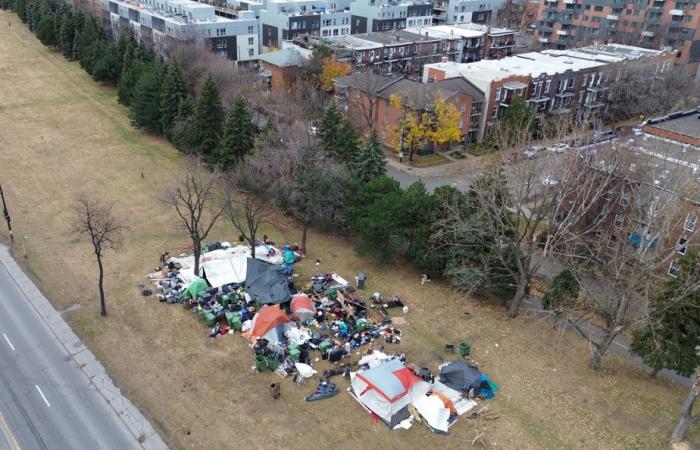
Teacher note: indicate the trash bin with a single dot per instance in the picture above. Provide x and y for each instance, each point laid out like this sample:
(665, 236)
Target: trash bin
(294, 353)
(260, 363)
(361, 278)
(209, 318)
(272, 363)
(234, 320)
(464, 349)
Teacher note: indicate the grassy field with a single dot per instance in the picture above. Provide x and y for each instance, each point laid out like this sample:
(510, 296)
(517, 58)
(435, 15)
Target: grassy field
(61, 134)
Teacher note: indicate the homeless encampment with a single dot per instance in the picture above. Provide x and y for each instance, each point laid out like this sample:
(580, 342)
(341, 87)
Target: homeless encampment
(388, 389)
(267, 283)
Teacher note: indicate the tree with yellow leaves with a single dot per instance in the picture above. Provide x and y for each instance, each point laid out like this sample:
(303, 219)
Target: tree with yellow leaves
(332, 69)
(438, 124)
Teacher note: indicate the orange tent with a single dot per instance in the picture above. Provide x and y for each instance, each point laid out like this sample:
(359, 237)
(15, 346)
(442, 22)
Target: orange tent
(270, 323)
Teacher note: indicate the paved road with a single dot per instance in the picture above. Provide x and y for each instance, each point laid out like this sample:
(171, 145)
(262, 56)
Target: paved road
(46, 401)
(405, 177)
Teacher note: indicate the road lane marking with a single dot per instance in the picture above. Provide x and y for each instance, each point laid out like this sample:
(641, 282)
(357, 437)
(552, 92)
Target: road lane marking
(8, 432)
(8, 342)
(42, 395)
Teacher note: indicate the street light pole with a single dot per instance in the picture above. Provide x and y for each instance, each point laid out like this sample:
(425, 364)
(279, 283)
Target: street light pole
(6, 214)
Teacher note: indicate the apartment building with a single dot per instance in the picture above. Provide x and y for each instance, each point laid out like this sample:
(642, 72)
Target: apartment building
(387, 15)
(466, 11)
(552, 82)
(284, 20)
(653, 24)
(478, 41)
(159, 21)
(361, 94)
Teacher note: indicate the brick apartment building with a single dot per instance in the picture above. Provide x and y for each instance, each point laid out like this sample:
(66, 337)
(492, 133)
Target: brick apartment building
(653, 24)
(552, 82)
(355, 92)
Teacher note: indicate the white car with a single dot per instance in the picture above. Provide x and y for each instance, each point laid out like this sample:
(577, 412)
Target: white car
(532, 152)
(558, 148)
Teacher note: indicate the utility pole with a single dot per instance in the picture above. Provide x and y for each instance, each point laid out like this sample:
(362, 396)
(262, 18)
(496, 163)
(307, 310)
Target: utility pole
(6, 214)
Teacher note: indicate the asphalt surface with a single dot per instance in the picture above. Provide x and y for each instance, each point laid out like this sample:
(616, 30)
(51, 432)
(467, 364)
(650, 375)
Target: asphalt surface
(46, 401)
(406, 178)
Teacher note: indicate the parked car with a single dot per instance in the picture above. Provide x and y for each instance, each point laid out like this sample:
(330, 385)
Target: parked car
(532, 152)
(558, 148)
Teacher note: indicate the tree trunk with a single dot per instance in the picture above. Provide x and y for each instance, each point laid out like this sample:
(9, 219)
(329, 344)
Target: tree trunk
(602, 348)
(520, 290)
(251, 242)
(103, 306)
(654, 372)
(197, 253)
(304, 232)
(687, 419)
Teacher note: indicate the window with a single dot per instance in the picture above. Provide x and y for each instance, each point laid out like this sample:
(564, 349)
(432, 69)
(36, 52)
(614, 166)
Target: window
(220, 31)
(335, 32)
(682, 246)
(386, 119)
(495, 113)
(619, 220)
(463, 107)
(690, 220)
(625, 198)
(461, 124)
(674, 268)
(251, 30)
(221, 43)
(588, 7)
(547, 85)
(251, 52)
(598, 8)
(251, 41)
(498, 94)
(612, 242)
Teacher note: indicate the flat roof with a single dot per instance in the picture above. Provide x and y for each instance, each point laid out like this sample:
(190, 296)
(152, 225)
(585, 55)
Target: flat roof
(607, 53)
(392, 37)
(354, 42)
(686, 123)
(446, 31)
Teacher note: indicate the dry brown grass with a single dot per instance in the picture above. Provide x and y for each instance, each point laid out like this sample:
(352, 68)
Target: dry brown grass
(60, 133)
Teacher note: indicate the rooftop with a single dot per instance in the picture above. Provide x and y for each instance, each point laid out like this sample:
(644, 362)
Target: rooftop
(288, 57)
(447, 31)
(354, 41)
(205, 13)
(393, 37)
(608, 53)
(686, 123)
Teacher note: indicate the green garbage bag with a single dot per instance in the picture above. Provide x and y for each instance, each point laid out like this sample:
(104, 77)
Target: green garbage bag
(272, 363)
(234, 320)
(209, 318)
(260, 363)
(225, 300)
(294, 353)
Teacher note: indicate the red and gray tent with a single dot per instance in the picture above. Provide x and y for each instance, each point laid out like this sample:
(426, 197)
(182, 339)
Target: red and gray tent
(388, 389)
(302, 307)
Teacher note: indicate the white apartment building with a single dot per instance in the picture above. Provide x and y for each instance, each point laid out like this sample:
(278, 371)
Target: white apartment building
(161, 20)
(284, 20)
(467, 11)
(386, 15)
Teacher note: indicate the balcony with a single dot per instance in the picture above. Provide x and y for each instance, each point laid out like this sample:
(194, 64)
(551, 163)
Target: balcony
(565, 94)
(676, 12)
(648, 33)
(612, 17)
(543, 40)
(562, 32)
(502, 44)
(569, 2)
(593, 104)
(597, 88)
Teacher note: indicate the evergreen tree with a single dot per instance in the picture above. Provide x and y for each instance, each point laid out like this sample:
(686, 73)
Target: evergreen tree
(238, 137)
(338, 136)
(145, 109)
(208, 120)
(370, 161)
(122, 46)
(66, 33)
(173, 94)
(21, 10)
(672, 331)
(130, 75)
(106, 66)
(563, 292)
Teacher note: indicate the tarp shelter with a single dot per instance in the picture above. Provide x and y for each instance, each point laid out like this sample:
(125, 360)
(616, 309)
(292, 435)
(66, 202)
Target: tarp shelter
(302, 307)
(268, 253)
(461, 376)
(225, 266)
(195, 289)
(270, 323)
(388, 389)
(267, 283)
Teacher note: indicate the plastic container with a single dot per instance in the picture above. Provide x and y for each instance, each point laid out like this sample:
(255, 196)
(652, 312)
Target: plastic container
(260, 363)
(465, 349)
(272, 363)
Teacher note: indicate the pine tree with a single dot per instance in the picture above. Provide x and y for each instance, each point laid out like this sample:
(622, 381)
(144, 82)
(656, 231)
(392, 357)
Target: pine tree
(329, 127)
(370, 161)
(106, 66)
(129, 77)
(145, 110)
(66, 33)
(208, 120)
(238, 137)
(174, 92)
(669, 336)
(338, 136)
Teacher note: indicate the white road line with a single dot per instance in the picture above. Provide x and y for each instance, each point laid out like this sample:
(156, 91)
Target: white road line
(8, 342)
(42, 395)
(8, 433)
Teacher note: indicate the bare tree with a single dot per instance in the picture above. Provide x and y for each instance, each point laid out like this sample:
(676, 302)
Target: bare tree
(627, 243)
(687, 419)
(249, 204)
(193, 195)
(96, 222)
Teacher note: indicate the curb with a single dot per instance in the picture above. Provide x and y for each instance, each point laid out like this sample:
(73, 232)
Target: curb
(128, 414)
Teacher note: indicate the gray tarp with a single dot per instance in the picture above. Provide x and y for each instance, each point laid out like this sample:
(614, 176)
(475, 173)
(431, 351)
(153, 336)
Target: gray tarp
(267, 282)
(461, 376)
